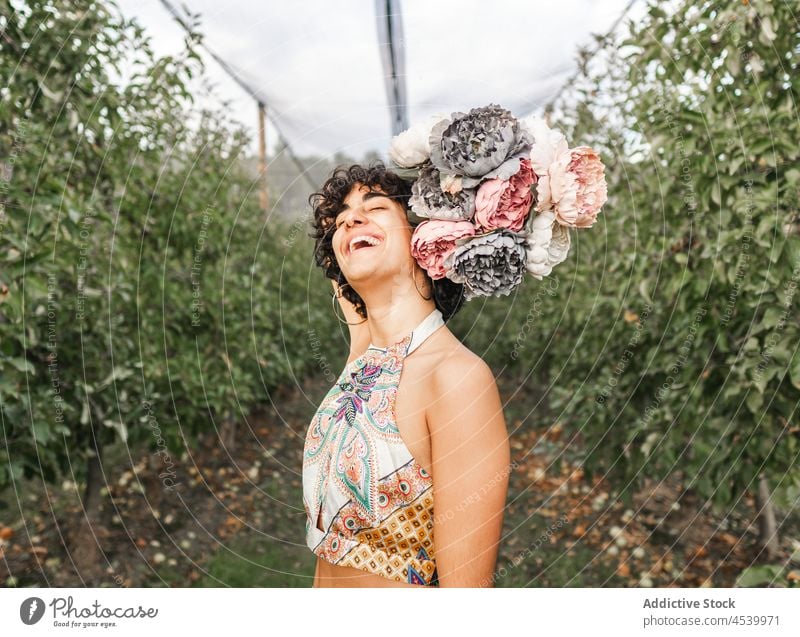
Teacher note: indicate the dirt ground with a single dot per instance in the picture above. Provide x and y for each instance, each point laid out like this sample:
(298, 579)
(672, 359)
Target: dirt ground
(237, 519)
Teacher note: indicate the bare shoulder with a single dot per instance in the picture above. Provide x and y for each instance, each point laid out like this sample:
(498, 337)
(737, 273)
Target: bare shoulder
(446, 356)
(463, 392)
(461, 368)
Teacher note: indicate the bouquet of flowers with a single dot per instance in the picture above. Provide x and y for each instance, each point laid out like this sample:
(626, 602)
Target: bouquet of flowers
(497, 196)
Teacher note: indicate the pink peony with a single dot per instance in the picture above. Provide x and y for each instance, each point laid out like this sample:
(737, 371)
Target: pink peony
(505, 204)
(577, 187)
(434, 240)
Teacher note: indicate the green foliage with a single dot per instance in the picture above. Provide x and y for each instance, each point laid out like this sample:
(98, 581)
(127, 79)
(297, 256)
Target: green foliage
(139, 278)
(772, 575)
(683, 307)
(144, 296)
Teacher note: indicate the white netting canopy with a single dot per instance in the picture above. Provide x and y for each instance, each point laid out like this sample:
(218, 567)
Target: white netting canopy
(317, 64)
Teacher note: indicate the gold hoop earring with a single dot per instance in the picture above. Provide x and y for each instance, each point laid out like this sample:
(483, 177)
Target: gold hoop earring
(427, 298)
(334, 296)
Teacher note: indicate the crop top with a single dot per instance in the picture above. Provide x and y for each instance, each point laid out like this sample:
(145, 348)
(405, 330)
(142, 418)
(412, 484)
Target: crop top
(375, 500)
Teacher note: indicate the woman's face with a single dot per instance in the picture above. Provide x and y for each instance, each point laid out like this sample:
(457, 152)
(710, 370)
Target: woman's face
(372, 234)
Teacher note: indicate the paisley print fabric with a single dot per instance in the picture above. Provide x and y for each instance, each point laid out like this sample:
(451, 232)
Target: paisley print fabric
(376, 501)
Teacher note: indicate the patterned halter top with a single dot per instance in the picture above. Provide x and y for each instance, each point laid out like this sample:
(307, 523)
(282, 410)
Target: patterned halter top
(374, 499)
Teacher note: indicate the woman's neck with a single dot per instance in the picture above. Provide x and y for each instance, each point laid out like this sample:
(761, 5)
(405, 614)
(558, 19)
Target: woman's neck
(394, 321)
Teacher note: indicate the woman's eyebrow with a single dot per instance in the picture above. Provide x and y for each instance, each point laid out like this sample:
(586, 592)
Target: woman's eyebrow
(369, 195)
(372, 194)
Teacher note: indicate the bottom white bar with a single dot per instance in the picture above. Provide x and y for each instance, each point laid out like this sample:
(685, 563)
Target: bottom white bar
(533, 611)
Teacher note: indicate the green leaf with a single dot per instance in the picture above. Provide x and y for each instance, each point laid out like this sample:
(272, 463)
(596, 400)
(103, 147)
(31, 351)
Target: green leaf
(644, 292)
(772, 316)
(734, 164)
(775, 250)
(117, 374)
(758, 575)
(760, 382)
(794, 368)
(21, 365)
(754, 401)
(17, 470)
(42, 432)
(715, 193)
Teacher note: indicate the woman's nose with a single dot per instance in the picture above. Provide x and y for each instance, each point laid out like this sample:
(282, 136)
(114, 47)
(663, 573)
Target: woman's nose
(353, 217)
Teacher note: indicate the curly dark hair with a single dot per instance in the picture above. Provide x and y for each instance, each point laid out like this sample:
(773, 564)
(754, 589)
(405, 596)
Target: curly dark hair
(448, 296)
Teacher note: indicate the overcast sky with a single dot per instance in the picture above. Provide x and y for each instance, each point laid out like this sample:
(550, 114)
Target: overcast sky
(317, 63)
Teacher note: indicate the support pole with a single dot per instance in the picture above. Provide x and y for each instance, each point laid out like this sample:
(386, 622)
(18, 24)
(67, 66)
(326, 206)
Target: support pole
(262, 157)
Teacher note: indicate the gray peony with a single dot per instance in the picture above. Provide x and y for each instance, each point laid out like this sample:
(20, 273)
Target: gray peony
(430, 201)
(492, 264)
(487, 142)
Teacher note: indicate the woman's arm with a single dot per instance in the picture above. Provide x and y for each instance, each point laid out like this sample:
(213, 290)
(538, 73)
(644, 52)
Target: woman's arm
(360, 336)
(470, 465)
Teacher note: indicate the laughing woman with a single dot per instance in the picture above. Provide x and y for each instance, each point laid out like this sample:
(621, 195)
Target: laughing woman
(406, 462)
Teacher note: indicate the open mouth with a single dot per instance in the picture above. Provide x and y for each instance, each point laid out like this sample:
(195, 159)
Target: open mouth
(363, 242)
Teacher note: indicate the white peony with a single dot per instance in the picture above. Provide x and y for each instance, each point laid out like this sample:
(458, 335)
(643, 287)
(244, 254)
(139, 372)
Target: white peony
(548, 143)
(547, 243)
(412, 147)
(549, 146)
